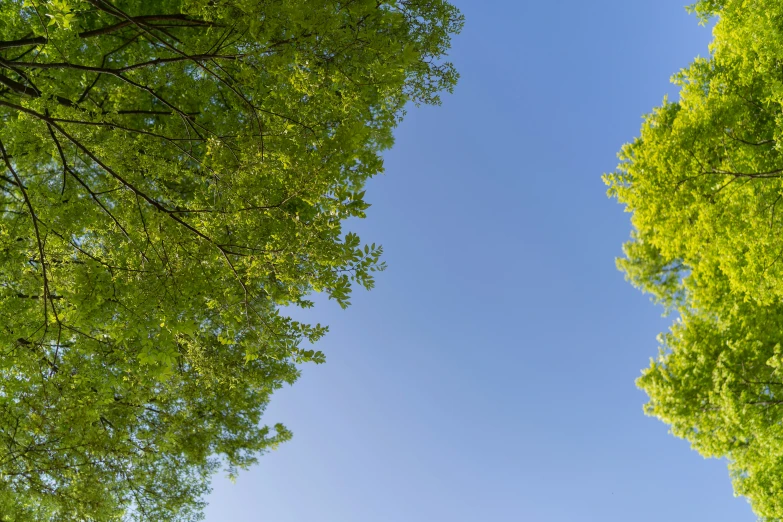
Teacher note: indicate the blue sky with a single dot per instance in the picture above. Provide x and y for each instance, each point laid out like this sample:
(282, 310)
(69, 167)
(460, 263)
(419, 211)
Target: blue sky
(490, 375)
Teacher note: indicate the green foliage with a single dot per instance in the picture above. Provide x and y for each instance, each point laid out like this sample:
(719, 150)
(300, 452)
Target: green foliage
(172, 173)
(704, 184)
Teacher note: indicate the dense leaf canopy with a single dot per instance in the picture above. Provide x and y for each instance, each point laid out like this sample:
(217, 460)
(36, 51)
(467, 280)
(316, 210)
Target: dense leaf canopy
(704, 182)
(171, 174)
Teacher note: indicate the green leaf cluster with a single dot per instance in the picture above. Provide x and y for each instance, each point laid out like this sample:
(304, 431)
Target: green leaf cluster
(704, 185)
(172, 175)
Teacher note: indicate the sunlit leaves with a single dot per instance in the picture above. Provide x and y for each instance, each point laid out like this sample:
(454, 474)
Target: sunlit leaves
(704, 184)
(177, 173)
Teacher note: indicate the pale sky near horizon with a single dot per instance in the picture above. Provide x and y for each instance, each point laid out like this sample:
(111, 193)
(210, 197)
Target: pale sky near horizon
(490, 374)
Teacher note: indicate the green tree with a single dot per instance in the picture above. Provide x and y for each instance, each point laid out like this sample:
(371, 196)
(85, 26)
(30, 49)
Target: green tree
(704, 184)
(172, 173)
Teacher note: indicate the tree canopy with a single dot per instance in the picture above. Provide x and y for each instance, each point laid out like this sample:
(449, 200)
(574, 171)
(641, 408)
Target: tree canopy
(704, 184)
(172, 173)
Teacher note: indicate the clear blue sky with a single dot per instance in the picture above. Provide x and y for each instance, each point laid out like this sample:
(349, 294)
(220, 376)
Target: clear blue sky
(490, 375)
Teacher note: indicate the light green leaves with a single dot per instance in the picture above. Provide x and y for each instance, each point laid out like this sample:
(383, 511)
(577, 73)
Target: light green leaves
(703, 182)
(176, 173)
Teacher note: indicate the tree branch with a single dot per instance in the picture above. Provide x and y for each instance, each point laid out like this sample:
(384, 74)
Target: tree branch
(35, 226)
(42, 40)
